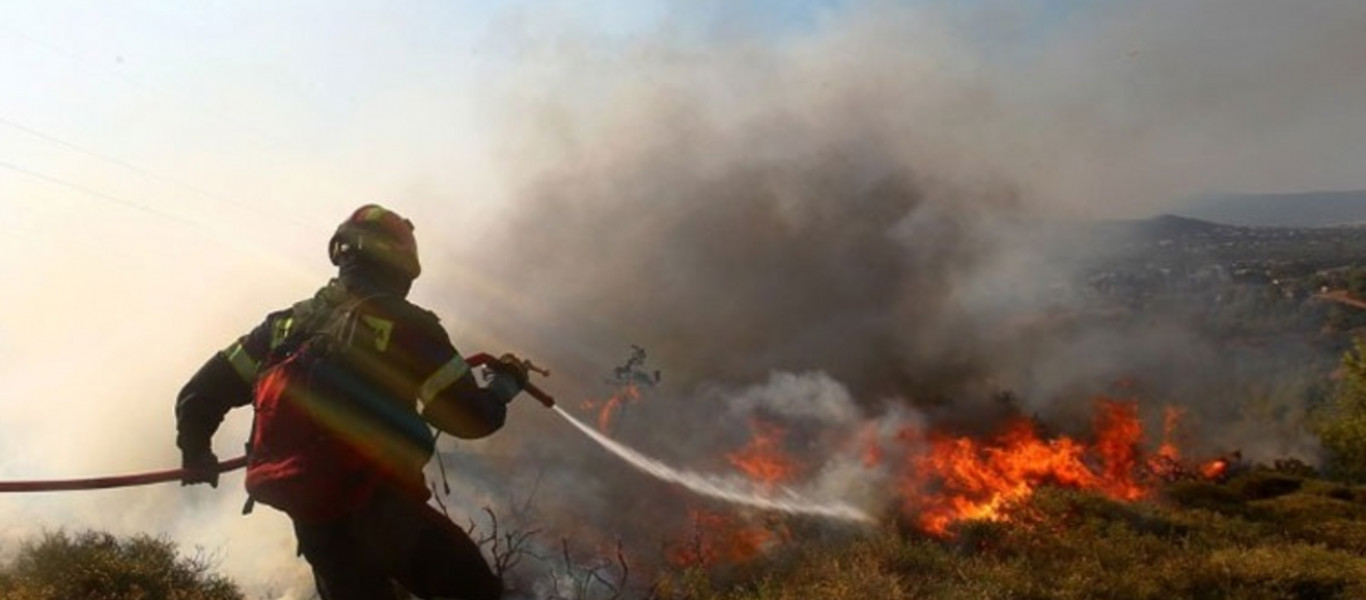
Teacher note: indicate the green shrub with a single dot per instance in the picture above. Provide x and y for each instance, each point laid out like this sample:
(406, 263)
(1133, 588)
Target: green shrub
(1291, 510)
(99, 566)
(1069, 545)
(1341, 423)
(1260, 485)
(1289, 571)
(1207, 496)
(1335, 534)
(1295, 467)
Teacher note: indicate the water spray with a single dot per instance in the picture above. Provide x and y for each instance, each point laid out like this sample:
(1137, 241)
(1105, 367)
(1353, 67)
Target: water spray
(730, 489)
(735, 490)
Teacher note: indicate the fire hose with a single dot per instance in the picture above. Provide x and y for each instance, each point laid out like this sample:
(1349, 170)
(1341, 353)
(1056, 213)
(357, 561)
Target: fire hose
(136, 479)
(116, 481)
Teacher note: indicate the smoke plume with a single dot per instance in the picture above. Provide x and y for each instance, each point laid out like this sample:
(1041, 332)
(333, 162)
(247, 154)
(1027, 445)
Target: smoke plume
(830, 228)
(862, 203)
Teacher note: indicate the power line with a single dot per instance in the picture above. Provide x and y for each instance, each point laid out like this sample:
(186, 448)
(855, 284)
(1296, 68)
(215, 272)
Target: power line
(118, 200)
(96, 193)
(137, 83)
(132, 167)
(157, 90)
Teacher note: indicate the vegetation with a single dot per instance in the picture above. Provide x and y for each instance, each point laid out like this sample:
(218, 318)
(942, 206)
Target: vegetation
(1341, 424)
(1264, 535)
(1270, 533)
(99, 566)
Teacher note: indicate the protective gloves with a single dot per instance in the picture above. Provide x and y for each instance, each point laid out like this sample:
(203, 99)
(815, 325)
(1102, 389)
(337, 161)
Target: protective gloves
(509, 377)
(200, 467)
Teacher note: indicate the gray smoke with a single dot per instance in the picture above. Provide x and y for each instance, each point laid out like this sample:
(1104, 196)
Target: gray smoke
(860, 201)
(856, 200)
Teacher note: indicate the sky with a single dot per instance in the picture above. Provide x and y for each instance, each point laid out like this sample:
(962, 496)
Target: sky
(171, 171)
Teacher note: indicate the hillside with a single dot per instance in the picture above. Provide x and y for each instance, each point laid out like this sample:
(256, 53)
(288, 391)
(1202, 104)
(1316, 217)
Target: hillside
(1268, 533)
(1305, 209)
(1263, 535)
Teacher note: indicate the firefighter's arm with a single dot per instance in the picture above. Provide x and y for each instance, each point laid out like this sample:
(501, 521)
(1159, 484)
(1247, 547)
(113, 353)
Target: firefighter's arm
(221, 384)
(453, 402)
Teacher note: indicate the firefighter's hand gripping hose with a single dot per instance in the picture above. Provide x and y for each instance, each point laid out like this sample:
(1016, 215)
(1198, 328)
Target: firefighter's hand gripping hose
(487, 360)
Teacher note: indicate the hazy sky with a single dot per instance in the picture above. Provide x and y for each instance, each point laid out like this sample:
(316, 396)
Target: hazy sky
(170, 171)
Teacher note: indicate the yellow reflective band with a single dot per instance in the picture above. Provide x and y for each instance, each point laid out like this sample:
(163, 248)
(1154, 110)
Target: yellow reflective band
(280, 331)
(383, 329)
(442, 379)
(242, 362)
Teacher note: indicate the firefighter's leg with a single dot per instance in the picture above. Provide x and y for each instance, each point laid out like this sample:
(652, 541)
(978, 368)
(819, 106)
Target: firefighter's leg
(342, 569)
(445, 562)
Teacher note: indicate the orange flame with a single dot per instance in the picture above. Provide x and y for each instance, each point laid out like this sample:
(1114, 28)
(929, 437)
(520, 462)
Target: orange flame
(762, 459)
(1166, 462)
(1171, 419)
(1214, 469)
(872, 453)
(718, 539)
(962, 478)
(609, 408)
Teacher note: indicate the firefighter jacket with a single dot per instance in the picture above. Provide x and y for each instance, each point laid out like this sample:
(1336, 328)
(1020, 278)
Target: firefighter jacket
(407, 357)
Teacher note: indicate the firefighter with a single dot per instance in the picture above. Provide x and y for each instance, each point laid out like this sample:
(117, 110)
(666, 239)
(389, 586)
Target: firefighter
(377, 529)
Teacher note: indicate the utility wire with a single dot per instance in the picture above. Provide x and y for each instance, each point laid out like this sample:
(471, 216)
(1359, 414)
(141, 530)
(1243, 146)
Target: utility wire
(89, 65)
(135, 168)
(97, 194)
(158, 90)
(57, 181)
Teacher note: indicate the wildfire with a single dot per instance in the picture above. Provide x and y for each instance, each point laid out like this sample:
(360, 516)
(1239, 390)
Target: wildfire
(1171, 419)
(1214, 469)
(943, 479)
(720, 539)
(609, 408)
(1166, 463)
(763, 459)
(960, 478)
(870, 450)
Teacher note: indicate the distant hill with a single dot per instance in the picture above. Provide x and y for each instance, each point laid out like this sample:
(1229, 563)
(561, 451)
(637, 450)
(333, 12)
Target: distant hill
(1173, 226)
(1307, 209)
(1152, 229)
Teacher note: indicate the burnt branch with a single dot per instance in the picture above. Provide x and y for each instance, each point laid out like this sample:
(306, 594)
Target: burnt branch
(603, 578)
(506, 548)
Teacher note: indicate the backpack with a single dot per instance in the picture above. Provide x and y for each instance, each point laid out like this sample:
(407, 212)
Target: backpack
(313, 451)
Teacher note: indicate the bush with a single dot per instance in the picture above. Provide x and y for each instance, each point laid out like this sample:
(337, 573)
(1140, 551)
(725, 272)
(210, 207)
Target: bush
(1065, 545)
(1341, 424)
(1261, 485)
(99, 566)
(1205, 495)
(1292, 571)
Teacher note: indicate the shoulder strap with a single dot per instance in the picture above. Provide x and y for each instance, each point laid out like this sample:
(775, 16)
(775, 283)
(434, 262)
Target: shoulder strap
(341, 321)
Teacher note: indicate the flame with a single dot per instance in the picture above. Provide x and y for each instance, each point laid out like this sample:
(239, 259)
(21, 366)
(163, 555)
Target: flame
(1171, 420)
(871, 452)
(960, 478)
(1214, 469)
(762, 459)
(1166, 462)
(1118, 433)
(609, 408)
(719, 539)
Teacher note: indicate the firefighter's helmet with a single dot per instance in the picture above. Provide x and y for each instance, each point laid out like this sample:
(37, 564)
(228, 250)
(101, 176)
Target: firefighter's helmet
(379, 235)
